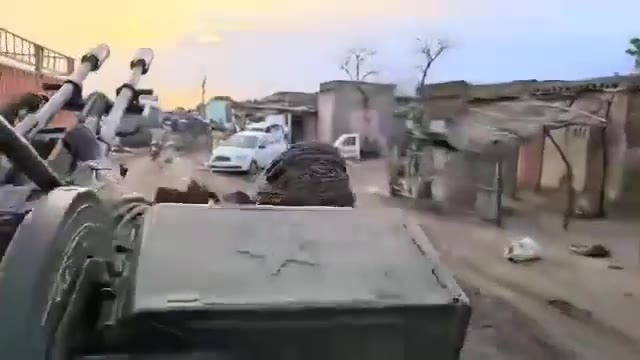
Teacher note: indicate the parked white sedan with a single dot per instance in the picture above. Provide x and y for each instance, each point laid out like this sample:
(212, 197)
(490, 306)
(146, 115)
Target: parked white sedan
(246, 151)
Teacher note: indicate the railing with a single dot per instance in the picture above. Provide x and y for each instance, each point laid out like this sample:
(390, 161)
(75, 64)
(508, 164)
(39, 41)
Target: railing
(42, 59)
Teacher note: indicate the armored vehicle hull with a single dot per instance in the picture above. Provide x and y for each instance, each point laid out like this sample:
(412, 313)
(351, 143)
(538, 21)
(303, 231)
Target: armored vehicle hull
(299, 283)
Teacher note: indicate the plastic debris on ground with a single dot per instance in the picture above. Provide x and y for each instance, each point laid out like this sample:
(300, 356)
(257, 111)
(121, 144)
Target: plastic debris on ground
(595, 250)
(523, 250)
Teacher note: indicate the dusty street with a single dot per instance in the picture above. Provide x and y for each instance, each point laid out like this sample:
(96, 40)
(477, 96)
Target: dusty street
(562, 307)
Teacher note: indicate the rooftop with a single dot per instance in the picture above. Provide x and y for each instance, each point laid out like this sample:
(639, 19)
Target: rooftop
(521, 88)
(291, 98)
(270, 107)
(330, 85)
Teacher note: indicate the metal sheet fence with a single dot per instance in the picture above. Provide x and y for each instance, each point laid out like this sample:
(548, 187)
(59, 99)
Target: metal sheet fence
(26, 65)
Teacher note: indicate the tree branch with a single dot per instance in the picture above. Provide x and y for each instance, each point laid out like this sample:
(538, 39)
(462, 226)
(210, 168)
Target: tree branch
(369, 73)
(354, 63)
(431, 54)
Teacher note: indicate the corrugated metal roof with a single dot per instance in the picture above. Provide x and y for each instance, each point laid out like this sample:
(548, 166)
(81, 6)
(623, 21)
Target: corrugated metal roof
(275, 107)
(493, 127)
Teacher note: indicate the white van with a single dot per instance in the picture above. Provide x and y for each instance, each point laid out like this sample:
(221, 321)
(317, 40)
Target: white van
(348, 146)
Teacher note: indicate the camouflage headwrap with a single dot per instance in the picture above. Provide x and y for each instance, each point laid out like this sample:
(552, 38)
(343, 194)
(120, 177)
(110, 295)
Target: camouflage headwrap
(307, 174)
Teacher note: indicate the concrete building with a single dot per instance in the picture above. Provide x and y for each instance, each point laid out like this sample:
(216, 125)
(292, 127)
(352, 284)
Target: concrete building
(604, 159)
(299, 108)
(218, 110)
(358, 107)
(339, 107)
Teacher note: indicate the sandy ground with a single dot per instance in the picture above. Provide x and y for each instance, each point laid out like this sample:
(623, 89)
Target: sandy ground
(562, 307)
(568, 306)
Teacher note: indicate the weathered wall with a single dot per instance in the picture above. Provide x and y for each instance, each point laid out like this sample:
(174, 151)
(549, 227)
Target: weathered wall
(617, 146)
(510, 172)
(218, 111)
(310, 127)
(530, 163)
(539, 164)
(326, 109)
(370, 114)
(15, 82)
(623, 135)
(583, 147)
(573, 141)
(443, 108)
(454, 185)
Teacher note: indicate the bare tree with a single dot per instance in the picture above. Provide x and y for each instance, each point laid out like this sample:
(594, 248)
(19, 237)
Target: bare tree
(430, 52)
(355, 63)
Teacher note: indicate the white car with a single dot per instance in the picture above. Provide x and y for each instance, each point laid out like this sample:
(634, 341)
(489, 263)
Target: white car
(276, 130)
(246, 151)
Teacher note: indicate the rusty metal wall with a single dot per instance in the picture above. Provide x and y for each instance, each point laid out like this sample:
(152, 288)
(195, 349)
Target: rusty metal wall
(15, 81)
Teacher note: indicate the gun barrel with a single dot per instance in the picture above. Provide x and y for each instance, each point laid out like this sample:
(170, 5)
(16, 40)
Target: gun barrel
(91, 61)
(25, 158)
(139, 66)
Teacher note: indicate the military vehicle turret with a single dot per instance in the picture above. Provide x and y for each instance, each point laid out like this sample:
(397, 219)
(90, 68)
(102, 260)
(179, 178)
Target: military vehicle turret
(88, 272)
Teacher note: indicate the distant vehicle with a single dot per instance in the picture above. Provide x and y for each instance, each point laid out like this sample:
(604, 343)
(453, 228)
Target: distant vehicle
(246, 151)
(185, 123)
(348, 146)
(277, 130)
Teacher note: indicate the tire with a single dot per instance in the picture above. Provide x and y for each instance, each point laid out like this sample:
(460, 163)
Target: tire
(253, 168)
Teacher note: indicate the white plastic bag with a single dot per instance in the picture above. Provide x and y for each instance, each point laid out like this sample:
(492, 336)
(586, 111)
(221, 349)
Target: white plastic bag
(525, 249)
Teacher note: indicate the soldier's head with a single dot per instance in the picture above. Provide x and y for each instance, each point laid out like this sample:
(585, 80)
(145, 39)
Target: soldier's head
(307, 174)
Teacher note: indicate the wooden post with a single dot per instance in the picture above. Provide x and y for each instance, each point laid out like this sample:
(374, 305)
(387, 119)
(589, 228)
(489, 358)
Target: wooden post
(39, 58)
(499, 186)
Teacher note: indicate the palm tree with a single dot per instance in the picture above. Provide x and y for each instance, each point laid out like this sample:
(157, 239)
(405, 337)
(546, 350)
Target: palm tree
(634, 50)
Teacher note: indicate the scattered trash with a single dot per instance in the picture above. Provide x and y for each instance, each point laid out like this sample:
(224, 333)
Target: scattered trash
(525, 249)
(615, 267)
(596, 250)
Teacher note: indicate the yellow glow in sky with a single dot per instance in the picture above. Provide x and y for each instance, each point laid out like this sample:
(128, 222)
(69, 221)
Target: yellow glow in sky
(73, 26)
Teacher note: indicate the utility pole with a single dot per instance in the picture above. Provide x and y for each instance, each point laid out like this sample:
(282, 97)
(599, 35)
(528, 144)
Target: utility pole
(204, 87)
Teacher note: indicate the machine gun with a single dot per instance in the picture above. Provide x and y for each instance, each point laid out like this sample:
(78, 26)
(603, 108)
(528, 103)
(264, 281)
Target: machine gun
(56, 176)
(86, 275)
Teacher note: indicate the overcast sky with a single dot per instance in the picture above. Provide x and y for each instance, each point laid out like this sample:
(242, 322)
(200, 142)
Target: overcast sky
(250, 48)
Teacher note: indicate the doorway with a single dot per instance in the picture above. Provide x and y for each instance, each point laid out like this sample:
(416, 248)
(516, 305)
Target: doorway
(297, 129)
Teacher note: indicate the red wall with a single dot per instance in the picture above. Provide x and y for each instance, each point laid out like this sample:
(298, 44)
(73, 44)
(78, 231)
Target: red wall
(14, 82)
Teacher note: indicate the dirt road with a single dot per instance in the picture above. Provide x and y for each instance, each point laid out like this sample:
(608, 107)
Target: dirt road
(563, 307)
(145, 175)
